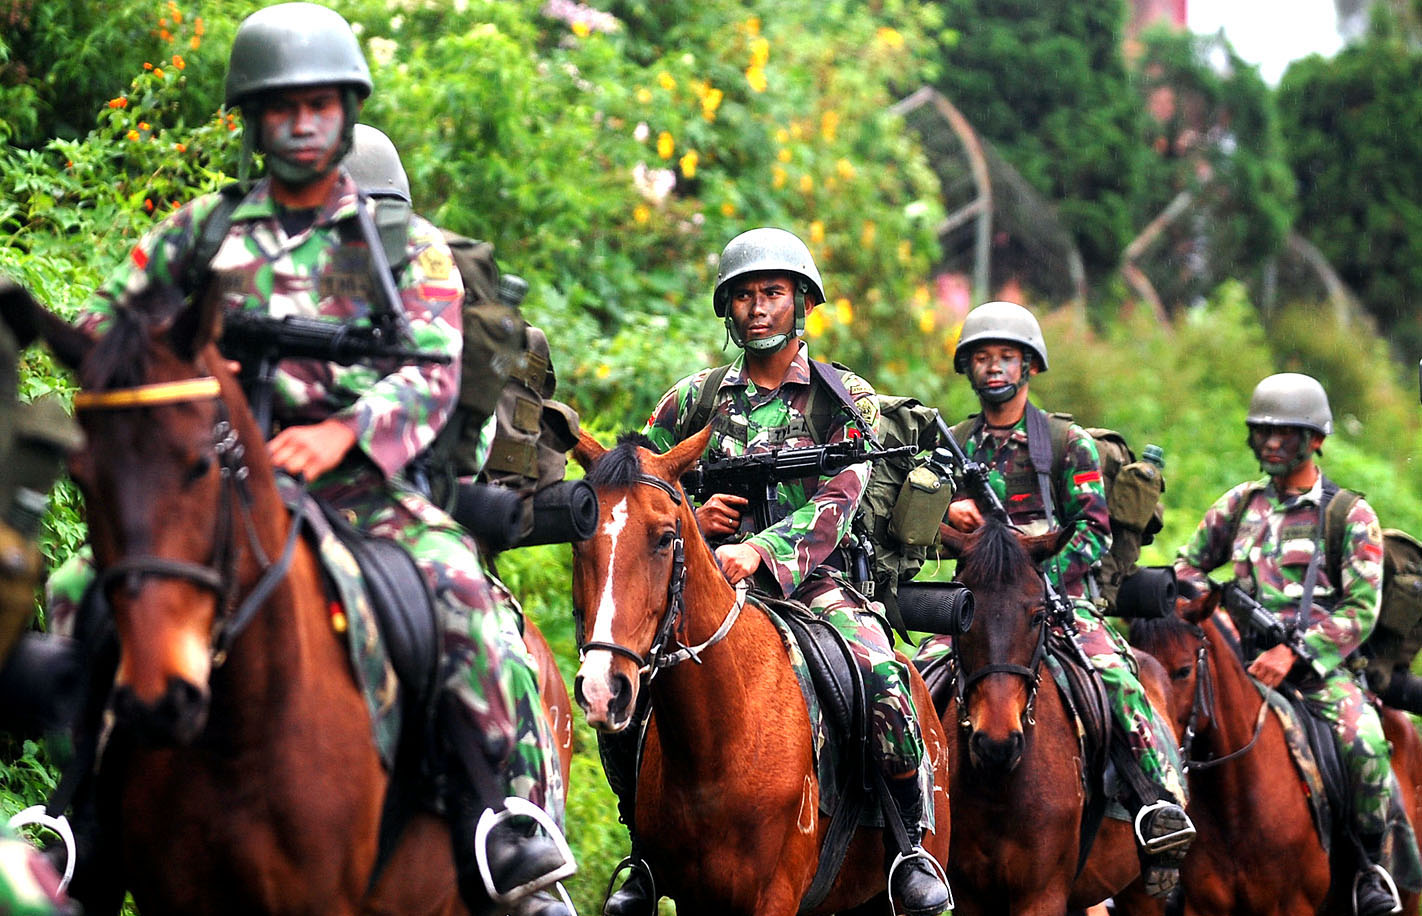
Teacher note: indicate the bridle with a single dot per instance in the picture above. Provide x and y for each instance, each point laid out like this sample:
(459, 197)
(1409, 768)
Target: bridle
(220, 575)
(1031, 672)
(673, 626)
(1202, 702)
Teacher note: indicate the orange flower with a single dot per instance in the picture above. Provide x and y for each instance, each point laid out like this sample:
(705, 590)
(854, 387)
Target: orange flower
(147, 65)
(198, 27)
(158, 72)
(180, 147)
(143, 125)
(165, 35)
(179, 62)
(148, 204)
(132, 136)
(195, 43)
(119, 102)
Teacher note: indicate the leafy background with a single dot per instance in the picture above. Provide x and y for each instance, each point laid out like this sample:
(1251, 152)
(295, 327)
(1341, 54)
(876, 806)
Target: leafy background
(610, 153)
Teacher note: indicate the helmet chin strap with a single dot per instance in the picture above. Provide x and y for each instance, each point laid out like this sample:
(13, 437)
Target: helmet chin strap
(999, 395)
(776, 341)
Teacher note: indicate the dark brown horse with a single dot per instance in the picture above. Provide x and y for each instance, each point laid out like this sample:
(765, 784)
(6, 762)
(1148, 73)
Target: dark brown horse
(1016, 765)
(727, 799)
(1256, 851)
(242, 776)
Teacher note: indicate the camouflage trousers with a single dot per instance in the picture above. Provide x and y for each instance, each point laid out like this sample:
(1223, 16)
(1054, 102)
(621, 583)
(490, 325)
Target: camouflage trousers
(488, 669)
(1339, 701)
(897, 740)
(1110, 656)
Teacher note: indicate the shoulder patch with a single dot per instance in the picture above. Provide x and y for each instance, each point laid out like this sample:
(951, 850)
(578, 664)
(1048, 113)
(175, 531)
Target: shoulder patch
(435, 263)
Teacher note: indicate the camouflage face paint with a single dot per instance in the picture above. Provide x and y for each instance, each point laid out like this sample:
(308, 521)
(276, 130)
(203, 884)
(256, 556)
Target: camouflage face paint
(1280, 449)
(302, 132)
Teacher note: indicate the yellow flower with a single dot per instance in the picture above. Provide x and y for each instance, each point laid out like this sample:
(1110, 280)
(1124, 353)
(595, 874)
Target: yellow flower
(641, 214)
(665, 80)
(921, 296)
(688, 164)
(782, 136)
(755, 78)
(890, 38)
(905, 251)
(829, 125)
(926, 321)
(783, 154)
(778, 177)
(603, 370)
(753, 25)
(843, 311)
(132, 135)
(665, 145)
(143, 125)
(728, 209)
(581, 29)
(710, 102)
(760, 52)
(644, 95)
(817, 232)
(867, 233)
(807, 184)
(951, 338)
(845, 169)
(815, 323)
(797, 130)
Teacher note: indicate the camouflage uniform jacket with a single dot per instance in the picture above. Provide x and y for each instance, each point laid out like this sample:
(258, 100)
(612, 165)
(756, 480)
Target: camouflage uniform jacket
(1079, 493)
(394, 410)
(746, 418)
(1272, 548)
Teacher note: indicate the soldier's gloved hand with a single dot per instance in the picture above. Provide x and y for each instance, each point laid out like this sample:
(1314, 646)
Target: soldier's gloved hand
(721, 515)
(737, 561)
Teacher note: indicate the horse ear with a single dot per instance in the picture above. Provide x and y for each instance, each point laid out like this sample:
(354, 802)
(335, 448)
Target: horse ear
(587, 450)
(1040, 547)
(196, 326)
(1194, 604)
(954, 542)
(28, 319)
(684, 454)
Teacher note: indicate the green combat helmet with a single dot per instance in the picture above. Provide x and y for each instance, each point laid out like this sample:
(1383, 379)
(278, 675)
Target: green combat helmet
(1006, 322)
(375, 164)
(766, 249)
(1289, 399)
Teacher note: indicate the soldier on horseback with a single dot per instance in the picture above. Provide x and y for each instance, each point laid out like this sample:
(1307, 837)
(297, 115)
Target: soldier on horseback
(767, 283)
(1000, 348)
(1272, 531)
(292, 246)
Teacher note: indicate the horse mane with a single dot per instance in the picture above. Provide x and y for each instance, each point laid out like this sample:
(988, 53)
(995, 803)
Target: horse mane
(993, 555)
(1154, 634)
(121, 357)
(620, 466)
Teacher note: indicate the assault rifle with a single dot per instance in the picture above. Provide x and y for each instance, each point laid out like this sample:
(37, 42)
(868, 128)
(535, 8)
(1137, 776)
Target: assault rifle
(260, 341)
(756, 476)
(971, 476)
(1263, 621)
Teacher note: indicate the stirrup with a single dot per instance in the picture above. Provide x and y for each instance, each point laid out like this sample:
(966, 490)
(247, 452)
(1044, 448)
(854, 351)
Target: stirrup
(918, 852)
(630, 864)
(35, 814)
(1176, 839)
(1387, 883)
(519, 807)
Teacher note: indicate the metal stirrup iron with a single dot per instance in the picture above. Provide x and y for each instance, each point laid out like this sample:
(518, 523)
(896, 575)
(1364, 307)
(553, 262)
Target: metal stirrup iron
(1168, 841)
(519, 807)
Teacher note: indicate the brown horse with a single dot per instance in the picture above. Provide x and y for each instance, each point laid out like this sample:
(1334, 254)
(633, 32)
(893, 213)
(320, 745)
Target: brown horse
(1016, 768)
(1256, 852)
(242, 776)
(727, 798)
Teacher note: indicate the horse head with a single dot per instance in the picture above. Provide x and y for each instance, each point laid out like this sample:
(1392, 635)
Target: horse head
(158, 472)
(628, 578)
(1000, 657)
(1178, 641)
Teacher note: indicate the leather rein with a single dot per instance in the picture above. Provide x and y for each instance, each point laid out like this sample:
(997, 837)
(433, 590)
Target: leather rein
(1202, 702)
(673, 626)
(220, 575)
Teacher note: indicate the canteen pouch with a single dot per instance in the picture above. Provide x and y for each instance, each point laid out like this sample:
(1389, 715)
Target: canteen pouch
(1135, 494)
(919, 509)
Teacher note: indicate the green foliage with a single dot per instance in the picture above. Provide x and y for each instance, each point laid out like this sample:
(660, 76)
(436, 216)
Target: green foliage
(1212, 125)
(1353, 126)
(1047, 84)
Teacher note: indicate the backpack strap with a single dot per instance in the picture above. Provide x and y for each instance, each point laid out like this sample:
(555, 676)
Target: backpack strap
(1040, 450)
(820, 414)
(700, 415)
(1335, 525)
(208, 239)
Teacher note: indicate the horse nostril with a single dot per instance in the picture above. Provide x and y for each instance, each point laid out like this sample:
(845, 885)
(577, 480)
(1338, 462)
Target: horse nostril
(578, 695)
(997, 753)
(621, 696)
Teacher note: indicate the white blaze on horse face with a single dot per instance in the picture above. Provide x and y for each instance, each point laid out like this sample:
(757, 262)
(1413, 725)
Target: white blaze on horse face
(596, 670)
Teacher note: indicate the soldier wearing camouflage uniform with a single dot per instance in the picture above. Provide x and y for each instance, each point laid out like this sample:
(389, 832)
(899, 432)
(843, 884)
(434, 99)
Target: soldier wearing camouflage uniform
(1000, 348)
(298, 74)
(1275, 550)
(766, 285)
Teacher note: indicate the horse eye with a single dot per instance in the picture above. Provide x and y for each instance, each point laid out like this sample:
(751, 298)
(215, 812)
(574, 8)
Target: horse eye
(1181, 673)
(665, 540)
(199, 469)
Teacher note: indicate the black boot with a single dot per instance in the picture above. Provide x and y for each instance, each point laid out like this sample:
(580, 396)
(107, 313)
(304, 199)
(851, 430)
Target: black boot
(638, 894)
(1164, 833)
(1374, 893)
(914, 880)
(542, 903)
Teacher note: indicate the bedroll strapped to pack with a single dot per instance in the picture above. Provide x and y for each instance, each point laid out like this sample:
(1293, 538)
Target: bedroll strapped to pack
(902, 502)
(1133, 501)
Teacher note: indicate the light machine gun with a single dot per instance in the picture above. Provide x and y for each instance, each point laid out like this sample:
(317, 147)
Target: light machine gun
(260, 341)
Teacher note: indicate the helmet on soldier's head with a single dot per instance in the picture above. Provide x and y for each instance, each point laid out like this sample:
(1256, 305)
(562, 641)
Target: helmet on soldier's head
(1290, 399)
(375, 164)
(766, 249)
(1001, 321)
(291, 46)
